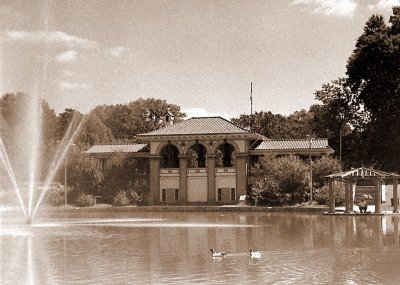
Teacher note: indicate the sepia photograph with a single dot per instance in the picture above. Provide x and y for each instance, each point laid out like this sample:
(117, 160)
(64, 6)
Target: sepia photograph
(199, 142)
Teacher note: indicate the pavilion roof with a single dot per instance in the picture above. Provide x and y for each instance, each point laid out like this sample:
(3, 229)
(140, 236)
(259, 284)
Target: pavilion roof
(363, 173)
(122, 148)
(198, 126)
(284, 144)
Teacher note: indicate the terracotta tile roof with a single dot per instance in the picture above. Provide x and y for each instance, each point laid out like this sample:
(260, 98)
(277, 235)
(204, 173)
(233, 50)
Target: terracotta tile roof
(198, 126)
(125, 148)
(286, 144)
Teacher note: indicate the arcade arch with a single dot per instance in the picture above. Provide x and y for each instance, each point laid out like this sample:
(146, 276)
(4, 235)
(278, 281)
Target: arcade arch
(225, 155)
(169, 156)
(197, 156)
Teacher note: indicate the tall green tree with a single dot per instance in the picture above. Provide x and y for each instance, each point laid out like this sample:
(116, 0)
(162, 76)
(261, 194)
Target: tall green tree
(69, 119)
(93, 131)
(276, 126)
(373, 68)
(337, 117)
(125, 121)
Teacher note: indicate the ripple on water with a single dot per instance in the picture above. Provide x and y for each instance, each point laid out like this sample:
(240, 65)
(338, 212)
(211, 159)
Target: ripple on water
(22, 231)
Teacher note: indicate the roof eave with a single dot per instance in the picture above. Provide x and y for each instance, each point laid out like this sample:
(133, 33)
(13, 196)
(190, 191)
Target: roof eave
(296, 151)
(196, 136)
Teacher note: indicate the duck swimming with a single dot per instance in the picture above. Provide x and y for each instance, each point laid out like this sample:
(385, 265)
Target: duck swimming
(217, 254)
(255, 254)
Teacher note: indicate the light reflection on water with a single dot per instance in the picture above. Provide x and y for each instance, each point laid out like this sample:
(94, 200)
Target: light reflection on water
(173, 248)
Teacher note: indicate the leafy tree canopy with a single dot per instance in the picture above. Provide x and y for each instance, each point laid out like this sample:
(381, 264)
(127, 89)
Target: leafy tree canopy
(143, 115)
(373, 69)
(276, 126)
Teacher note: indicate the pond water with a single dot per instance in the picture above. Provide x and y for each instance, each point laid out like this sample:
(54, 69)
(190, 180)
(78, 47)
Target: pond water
(174, 248)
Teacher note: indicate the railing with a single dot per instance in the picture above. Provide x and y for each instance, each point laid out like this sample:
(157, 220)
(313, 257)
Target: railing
(197, 170)
(225, 170)
(169, 171)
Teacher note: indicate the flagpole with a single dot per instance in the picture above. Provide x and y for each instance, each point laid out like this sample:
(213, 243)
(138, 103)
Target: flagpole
(251, 106)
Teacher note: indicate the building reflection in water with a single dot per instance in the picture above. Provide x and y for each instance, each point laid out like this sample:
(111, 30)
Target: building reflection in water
(178, 246)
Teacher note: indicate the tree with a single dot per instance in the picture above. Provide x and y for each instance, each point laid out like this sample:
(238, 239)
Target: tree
(124, 173)
(293, 177)
(301, 124)
(125, 121)
(49, 123)
(265, 189)
(322, 167)
(338, 114)
(373, 68)
(93, 132)
(23, 129)
(69, 119)
(85, 175)
(276, 126)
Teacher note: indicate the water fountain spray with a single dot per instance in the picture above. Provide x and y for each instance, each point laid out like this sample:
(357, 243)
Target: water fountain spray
(11, 176)
(59, 157)
(31, 208)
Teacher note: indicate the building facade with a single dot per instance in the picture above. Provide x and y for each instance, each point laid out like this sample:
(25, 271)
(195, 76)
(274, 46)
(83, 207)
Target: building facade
(205, 160)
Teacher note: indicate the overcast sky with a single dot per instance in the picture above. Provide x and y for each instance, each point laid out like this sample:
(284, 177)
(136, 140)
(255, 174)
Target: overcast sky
(200, 54)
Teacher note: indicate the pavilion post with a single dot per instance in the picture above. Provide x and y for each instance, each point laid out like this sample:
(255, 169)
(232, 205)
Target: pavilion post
(395, 220)
(331, 196)
(347, 196)
(395, 197)
(378, 195)
(351, 195)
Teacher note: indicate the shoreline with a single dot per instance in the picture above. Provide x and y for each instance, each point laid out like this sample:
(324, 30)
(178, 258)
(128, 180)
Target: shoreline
(166, 208)
(304, 208)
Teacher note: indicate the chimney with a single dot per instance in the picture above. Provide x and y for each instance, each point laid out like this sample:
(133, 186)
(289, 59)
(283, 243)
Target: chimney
(168, 119)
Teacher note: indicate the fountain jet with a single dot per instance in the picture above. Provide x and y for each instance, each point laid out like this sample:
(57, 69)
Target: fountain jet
(30, 208)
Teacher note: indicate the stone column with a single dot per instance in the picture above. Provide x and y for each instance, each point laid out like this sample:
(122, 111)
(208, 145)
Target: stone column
(241, 174)
(347, 196)
(377, 195)
(154, 180)
(331, 196)
(211, 198)
(395, 196)
(183, 162)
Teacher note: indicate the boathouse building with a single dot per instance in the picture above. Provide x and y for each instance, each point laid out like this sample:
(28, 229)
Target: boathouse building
(204, 160)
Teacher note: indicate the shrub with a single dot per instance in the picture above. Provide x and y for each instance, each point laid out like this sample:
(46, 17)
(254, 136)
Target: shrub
(85, 200)
(293, 178)
(265, 191)
(135, 197)
(121, 199)
(56, 198)
(322, 194)
(279, 180)
(322, 167)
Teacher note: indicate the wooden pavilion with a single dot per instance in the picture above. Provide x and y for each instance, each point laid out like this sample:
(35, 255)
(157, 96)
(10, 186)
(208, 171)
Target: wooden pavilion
(350, 179)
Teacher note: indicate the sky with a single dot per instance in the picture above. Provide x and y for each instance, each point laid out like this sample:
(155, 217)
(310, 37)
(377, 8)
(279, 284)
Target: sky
(199, 54)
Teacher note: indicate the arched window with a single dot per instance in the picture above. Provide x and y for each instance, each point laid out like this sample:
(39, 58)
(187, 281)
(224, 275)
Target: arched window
(169, 157)
(197, 156)
(225, 155)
